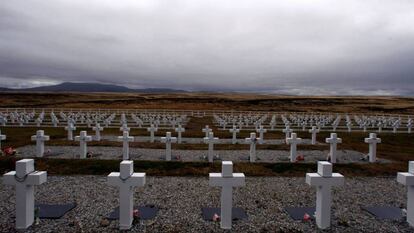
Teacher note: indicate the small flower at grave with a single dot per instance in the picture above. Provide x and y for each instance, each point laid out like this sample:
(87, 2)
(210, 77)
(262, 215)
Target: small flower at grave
(8, 151)
(300, 158)
(136, 213)
(306, 217)
(216, 217)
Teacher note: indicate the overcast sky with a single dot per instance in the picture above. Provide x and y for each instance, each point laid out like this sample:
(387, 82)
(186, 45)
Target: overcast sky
(294, 46)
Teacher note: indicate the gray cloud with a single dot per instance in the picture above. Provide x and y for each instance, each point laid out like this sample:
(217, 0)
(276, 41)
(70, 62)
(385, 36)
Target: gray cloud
(303, 47)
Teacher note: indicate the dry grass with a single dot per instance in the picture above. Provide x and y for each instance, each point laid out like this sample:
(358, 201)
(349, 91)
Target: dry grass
(209, 101)
(396, 147)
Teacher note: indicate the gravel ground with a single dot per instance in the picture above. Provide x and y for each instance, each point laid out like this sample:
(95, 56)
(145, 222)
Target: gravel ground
(200, 140)
(271, 156)
(180, 201)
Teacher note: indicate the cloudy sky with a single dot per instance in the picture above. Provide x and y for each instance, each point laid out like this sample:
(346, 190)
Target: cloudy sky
(295, 46)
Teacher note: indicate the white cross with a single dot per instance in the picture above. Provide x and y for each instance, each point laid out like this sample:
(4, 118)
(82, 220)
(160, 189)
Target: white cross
(234, 131)
(333, 141)
(349, 126)
(125, 139)
(324, 180)
(207, 130)
(40, 139)
(179, 130)
(314, 131)
(407, 179)
(97, 128)
(83, 139)
(126, 180)
(152, 130)
(2, 138)
(124, 127)
(55, 122)
(168, 140)
(293, 141)
(70, 128)
(226, 180)
(24, 178)
(252, 140)
(38, 122)
(372, 140)
(287, 131)
(211, 140)
(380, 124)
(261, 130)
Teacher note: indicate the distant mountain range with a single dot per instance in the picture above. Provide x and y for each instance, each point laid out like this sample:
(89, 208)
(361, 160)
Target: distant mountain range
(89, 87)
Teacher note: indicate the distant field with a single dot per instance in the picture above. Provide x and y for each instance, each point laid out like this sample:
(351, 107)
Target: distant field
(209, 101)
(396, 147)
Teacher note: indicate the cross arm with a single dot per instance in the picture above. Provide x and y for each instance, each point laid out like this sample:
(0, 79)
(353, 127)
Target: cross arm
(405, 178)
(314, 179)
(216, 179)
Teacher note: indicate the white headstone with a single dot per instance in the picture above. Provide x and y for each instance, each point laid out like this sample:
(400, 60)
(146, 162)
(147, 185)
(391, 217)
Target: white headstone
(372, 140)
(168, 140)
(24, 178)
(125, 139)
(207, 130)
(124, 127)
(293, 141)
(152, 130)
(333, 141)
(287, 131)
(314, 131)
(234, 131)
(40, 139)
(70, 128)
(211, 140)
(83, 138)
(226, 180)
(179, 130)
(126, 180)
(407, 179)
(324, 180)
(97, 128)
(252, 141)
(261, 131)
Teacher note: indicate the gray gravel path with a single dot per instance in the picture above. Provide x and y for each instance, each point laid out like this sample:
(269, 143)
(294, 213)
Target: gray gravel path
(180, 201)
(311, 156)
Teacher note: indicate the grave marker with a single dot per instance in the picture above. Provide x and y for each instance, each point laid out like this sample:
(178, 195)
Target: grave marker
(24, 178)
(126, 180)
(40, 139)
(211, 140)
(372, 141)
(293, 141)
(234, 131)
(168, 140)
(226, 180)
(125, 139)
(407, 179)
(333, 141)
(83, 138)
(324, 180)
(253, 141)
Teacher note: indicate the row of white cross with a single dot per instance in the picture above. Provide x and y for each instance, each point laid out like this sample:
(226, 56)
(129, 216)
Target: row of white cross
(25, 177)
(293, 141)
